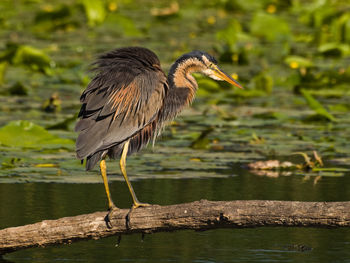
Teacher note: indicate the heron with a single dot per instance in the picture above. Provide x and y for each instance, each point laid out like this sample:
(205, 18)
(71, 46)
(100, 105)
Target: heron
(128, 102)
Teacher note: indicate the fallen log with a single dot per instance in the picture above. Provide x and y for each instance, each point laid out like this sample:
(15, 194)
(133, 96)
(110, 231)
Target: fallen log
(199, 215)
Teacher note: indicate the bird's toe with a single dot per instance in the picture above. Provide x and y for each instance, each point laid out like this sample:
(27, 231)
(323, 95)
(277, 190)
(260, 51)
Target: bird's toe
(107, 218)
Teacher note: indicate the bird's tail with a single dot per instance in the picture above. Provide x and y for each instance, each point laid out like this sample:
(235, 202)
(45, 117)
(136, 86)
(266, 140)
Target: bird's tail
(92, 160)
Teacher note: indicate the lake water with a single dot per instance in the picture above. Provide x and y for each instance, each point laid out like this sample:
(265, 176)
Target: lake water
(28, 203)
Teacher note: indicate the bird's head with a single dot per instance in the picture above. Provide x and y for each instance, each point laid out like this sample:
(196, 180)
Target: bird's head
(211, 69)
(198, 61)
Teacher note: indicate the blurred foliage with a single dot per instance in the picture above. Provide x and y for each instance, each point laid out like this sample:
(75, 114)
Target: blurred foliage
(95, 11)
(63, 125)
(264, 82)
(28, 56)
(298, 62)
(3, 66)
(25, 134)
(127, 26)
(317, 107)
(270, 27)
(202, 141)
(60, 17)
(166, 12)
(53, 104)
(291, 56)
(18, 89)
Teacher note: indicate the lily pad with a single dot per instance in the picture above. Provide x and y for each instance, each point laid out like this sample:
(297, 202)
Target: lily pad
(95, 11)
(26, 134)
(202, 142)
(10, 162)
(316, 106)
(53, 14)
(270, 27)
(63, 125)
(33, 58)
(57, 18)
(271, 115)
(127, 26)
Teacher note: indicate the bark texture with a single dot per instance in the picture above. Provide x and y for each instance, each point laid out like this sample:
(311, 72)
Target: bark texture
(199, 215)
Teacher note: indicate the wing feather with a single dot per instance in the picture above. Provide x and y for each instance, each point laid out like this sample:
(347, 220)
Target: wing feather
(117, 104)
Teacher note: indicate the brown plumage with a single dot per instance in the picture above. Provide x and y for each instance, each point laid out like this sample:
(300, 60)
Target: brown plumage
(119, 103)
(130, 98)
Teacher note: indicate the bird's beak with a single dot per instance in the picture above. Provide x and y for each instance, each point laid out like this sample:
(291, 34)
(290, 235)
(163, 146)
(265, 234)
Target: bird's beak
(223, 76)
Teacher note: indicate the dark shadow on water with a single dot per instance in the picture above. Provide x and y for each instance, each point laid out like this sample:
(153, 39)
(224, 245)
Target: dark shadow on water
(2, 260)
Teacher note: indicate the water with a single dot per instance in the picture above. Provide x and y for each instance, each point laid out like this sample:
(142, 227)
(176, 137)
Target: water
(34, 202)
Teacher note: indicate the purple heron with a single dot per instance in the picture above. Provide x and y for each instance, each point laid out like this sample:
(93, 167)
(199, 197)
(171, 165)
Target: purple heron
(130, 99)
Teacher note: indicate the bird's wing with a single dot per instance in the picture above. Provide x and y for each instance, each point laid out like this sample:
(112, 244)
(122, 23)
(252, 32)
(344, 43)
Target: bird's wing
(116, 105)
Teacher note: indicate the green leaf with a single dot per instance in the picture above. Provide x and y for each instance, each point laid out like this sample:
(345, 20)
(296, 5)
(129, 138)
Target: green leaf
(26, 134)
(316, 106)
(202, 141)
(3, 66)
(334, 49)
(10, 162)
(229, 35)
(33, 58)
(264, 82)
(298, 62)
(63, 125)
(271, 115)
(95, 11)
(330, 169)
(58, 18)
(270, 27)
(59, 13)
(127, 25)
(208, 84)
(340, 28)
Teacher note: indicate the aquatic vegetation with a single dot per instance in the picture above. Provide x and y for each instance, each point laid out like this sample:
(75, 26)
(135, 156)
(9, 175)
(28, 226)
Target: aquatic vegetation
(27, 56)
(291, 57)
(95, 11)
(17, 89)
(52, 104)
(25, 134)
(3, 66)
(316, 106)
(270, 27)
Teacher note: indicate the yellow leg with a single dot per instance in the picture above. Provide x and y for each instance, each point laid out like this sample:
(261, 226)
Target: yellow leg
(105, 182)
(122, 164)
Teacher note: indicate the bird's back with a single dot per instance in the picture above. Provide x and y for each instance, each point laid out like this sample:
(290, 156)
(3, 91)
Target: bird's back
(121, 102)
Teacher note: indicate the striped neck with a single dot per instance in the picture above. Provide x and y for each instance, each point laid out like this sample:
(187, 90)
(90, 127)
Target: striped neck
(180, 72)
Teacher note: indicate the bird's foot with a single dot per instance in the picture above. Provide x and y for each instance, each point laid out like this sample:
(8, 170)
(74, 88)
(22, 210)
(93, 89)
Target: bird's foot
(136, 204)
(107, 217)
(139, 204)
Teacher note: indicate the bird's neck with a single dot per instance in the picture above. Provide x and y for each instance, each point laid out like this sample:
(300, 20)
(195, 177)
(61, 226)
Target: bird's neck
(180, 77)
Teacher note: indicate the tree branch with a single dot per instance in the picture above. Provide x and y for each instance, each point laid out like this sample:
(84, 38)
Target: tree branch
(199, 215)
